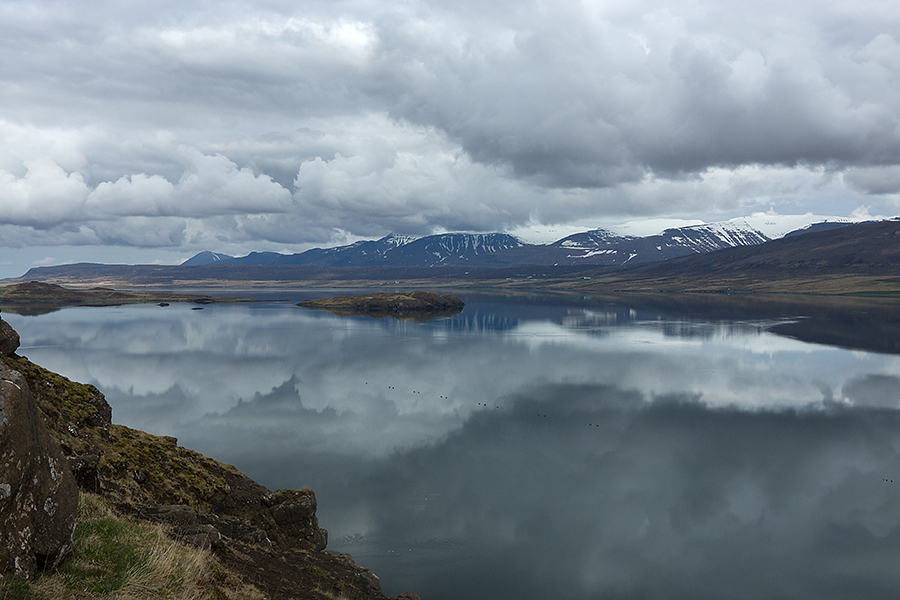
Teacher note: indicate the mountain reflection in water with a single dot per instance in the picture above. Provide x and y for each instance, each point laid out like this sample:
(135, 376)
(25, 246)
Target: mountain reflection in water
(535, 447)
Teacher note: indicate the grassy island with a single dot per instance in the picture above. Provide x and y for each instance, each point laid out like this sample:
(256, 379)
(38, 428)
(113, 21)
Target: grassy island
(400, 305)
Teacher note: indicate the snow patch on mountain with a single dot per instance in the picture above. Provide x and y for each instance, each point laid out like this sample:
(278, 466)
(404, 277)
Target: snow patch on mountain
(395, 240)
(777, 226)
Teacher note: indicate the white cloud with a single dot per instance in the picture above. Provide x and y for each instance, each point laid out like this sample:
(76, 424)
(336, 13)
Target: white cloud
(210, 186)
(44, 195)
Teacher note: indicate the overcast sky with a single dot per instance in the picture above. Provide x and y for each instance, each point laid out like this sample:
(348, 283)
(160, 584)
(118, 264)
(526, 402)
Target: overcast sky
(137, 131)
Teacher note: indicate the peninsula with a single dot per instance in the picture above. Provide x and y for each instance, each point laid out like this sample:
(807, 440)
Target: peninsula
(36, 293)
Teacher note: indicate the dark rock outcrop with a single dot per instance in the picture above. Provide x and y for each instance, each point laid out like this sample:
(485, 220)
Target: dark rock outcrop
(186, 525)
(294, 515)
(9, 339)
(38, 494)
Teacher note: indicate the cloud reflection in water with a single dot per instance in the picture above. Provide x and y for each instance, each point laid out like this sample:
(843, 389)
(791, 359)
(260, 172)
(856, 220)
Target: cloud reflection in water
(521, 452)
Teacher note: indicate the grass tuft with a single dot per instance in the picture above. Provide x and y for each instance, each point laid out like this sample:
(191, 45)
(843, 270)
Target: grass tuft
(121, 558)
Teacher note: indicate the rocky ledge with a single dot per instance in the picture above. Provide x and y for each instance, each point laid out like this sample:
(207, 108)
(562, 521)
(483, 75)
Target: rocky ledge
(406, 305)
(271, 538)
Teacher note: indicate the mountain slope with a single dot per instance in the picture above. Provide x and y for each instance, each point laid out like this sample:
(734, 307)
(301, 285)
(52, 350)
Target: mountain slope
(843, 257)
(452, 249)
(207, 258)
(602, 247)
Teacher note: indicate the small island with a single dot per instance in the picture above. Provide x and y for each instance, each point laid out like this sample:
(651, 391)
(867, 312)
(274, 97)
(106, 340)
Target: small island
(415, 305)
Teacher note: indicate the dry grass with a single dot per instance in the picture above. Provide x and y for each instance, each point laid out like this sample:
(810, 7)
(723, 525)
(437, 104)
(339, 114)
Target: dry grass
(120, 558)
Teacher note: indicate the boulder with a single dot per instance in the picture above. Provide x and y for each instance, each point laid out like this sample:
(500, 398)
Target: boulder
(38, 493)
(9, 339)
(292, 520)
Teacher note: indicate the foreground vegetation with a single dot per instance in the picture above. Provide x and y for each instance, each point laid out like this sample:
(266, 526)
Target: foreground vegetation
(119, 557)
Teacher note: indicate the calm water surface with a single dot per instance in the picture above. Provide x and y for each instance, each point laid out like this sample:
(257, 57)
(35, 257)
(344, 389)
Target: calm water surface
(537, 448)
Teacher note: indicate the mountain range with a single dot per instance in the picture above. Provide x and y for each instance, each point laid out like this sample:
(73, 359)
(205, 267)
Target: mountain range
(824, 258)
(597, 247)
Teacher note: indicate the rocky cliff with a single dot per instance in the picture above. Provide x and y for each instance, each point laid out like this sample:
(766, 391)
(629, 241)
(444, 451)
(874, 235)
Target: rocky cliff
(38, 497)
(272, 538)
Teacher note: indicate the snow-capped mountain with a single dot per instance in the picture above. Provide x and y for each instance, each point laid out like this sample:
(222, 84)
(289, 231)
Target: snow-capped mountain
(608, 247)
(777, 226)
(453, 248)
(604, 247)
(207, 258)
(391, 250)
(595, 247)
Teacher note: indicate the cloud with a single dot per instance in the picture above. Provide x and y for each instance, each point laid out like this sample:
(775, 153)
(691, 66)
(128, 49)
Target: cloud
(576, 99)
(285, 126)
(410, 180)
(875, 180)
(879, 391)
(45, 195)
(209, 186)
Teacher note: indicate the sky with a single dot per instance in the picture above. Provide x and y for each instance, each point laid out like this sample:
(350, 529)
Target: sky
(147, 132)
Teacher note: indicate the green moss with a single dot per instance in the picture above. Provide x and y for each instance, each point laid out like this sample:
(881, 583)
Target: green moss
(174, 475)
(134, 467)
(66, 405)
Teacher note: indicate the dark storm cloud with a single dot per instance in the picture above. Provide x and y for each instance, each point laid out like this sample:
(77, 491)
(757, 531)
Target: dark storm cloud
(576, 98)
(325, 121)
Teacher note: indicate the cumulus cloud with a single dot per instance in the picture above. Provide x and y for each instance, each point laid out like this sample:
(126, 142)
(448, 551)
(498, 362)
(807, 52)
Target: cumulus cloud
(412, 180)
(210, 186)
(287, 125)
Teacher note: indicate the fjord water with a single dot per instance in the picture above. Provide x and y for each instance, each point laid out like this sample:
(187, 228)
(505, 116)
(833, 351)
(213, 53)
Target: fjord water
(539, 447)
